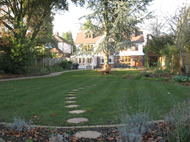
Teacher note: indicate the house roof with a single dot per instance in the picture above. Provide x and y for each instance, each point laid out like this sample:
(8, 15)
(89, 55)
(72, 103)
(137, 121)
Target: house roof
(56, 50)
(139, 38)
(81, 38)
(60, 39)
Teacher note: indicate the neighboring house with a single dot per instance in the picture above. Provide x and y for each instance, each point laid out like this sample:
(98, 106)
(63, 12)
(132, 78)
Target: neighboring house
(130, 57)
(62, 48)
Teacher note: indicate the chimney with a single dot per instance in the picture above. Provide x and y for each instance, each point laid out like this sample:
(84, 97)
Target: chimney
(57, 33)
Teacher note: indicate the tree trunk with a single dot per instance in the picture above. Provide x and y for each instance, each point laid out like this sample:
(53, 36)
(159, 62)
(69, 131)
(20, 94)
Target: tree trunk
(183, 70)
(106, 33)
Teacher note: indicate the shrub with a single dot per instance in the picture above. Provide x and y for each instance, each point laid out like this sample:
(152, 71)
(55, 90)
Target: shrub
(2, 72)
(178, 121)
(159, 72)
(57, 137)
(19, 125)
(66, 64)
(146, 74)
(181, 78)
(75, 66)
(134, 127)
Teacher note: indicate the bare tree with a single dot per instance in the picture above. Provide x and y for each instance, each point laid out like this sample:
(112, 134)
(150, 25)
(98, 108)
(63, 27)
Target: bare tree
(180, 27)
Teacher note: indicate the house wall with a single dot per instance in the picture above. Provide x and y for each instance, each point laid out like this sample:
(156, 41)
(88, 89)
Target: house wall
(66, 48)
(133, 62)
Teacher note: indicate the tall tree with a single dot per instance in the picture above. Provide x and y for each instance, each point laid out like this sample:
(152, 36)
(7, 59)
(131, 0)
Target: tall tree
(68, 36)
(23, 20)
(118, 19)
(180, 27)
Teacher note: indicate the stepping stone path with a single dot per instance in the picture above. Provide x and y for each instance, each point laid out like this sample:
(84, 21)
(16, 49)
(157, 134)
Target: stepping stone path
(88, 134)
(81, 88)
(77, 111)
(71, 106)
(80, 134)
(75, 90)
(70, 102)
(70, 98)
(77, 120)
(70, 94)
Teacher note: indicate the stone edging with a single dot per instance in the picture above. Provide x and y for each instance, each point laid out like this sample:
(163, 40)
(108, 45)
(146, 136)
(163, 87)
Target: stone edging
(70, 127)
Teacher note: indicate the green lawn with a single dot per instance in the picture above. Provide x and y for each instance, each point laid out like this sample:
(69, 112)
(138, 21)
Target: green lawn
(107, 98)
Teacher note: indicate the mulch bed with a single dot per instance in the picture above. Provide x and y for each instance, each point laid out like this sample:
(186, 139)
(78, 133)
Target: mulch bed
(158, 133)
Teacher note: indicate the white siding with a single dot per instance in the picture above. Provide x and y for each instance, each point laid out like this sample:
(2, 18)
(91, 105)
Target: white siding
(66, 48)
(131, 53)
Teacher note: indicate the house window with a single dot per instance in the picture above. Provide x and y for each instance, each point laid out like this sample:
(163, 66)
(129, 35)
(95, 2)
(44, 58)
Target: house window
(101, 60)
(125, 59)
(132, 48)
(111, 59)
(89, 60)
(83, 60)
(79, 60)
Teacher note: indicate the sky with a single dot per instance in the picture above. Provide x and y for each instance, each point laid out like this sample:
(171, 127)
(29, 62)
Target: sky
(69, 21)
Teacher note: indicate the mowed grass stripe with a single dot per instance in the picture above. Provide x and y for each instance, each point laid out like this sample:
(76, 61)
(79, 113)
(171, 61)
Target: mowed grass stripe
(105, 103)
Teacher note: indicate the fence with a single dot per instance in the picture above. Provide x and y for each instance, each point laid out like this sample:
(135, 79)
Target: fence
(51, 61)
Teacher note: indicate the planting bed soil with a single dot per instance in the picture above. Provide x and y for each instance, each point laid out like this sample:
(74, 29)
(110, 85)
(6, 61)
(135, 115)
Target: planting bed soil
(157, 133)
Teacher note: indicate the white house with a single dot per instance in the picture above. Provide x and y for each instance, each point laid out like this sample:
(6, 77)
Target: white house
(128, 57)
(63, 48)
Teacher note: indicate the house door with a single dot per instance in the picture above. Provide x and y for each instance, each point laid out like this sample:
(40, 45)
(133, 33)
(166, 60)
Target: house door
(136, 61)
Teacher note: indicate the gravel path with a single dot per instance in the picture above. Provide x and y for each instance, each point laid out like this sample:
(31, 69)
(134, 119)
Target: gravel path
(31, 77)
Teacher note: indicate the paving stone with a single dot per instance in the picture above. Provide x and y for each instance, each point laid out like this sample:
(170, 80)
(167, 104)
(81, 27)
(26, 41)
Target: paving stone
(80, 88)
(70, 102)
(75, 90)
(1, 140)
(71, 106)
(71, 94)
(88, 134)
(77, 111)
(70, 98)
(77, 120)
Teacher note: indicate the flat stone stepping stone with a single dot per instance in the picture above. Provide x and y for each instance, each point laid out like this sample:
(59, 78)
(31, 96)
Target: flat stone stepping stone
(77, 111)
(71, 94)
(88, 134)
(70, 98)
(77, 120)
(71, 106)
(70, 102)
(80, 88)
(75, 90)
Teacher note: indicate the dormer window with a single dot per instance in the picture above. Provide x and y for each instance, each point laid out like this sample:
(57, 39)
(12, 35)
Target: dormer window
(88, 35)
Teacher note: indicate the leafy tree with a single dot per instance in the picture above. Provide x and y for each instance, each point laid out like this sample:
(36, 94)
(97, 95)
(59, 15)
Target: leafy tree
(23, 20)
(118, 19)
(164, 45)
(68, 37)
